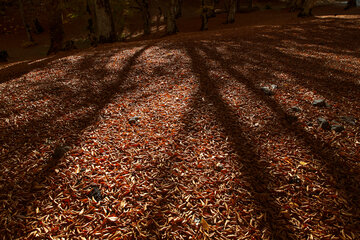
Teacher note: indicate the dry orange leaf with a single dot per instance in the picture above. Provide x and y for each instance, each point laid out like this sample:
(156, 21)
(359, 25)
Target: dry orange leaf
(205, 225)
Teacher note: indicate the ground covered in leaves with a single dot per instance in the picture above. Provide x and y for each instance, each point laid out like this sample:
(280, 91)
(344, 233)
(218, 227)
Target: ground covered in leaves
(176, 139)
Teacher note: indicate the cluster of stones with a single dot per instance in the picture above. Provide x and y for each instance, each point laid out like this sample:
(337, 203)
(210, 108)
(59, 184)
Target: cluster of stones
(323, 123)
(335, 126)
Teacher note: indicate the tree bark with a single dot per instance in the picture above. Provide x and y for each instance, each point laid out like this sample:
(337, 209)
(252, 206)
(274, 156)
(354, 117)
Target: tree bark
(204, 19)
(350, 4)
(296, 5)
(204, 16)
(231, 12)
(105, 28)
(207, 11)
(26, 25)
(171, 27)
(178, 8)
(144, 8)
(306, 10)
(55, 26)
(147, 18)
(158, 19)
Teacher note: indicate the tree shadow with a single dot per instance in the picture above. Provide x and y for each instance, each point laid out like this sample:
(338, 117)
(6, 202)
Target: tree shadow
(254, 170)
(15, 70)
(347, 176)
(94, 95)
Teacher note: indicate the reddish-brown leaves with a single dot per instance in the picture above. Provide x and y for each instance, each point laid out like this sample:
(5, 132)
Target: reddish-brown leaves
(200, 163)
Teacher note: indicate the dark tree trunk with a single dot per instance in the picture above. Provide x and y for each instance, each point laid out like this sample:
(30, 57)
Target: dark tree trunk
(296, 5)
(207, 11)
(158, 19)
(55, 26)
(105, 22)
(306, 10)
(147, 18)
(350, 4)
(26, 25)
(171, 27)
(204, 19)
(144, 8)
(101, 23)
(250, 4)
(231, 12)
(178, 9)
(91, 27)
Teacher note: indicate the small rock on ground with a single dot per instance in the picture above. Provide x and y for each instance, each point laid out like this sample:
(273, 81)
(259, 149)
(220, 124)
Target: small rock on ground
(337, 128)
(349, 120)
(267, 91)
(96, 194)
(296, 109)
(324, 124)
(320, 103)
(134, 120)
(273, 86)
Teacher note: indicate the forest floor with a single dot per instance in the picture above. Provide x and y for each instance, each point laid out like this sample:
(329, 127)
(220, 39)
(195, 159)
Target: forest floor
(175, 139)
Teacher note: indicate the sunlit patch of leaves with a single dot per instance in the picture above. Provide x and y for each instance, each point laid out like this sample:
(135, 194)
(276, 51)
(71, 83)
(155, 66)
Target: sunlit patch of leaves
(175, 173)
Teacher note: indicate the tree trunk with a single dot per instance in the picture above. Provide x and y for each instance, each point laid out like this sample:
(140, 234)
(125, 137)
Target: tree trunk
(146, 16)
(250, 4)
(207, 11)
(171, 27)
(204, 19)
(307, 8)
(231, 12)
(105, 28)
(55, 26)
(158, 19)
(350, 4)
(178, 8)
(90, 8)
(295, 5)
(26, 25)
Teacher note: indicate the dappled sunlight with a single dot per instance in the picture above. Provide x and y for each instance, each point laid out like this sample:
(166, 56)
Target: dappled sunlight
(182, 141)
(338, 16)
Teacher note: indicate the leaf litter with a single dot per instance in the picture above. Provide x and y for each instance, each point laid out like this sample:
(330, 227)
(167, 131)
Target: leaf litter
(176, 140)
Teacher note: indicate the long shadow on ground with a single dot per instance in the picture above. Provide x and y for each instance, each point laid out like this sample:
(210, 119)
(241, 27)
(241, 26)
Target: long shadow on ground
(16, 70)
(255, 171)
(315, 67)
(347, 178)
(36, 135)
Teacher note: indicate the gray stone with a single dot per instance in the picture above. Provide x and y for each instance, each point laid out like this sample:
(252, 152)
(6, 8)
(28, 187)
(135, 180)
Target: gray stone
(273, 86)
(134, 120)
(320, 103)
(267, 91)
(348, 119)
(324, 124)
(96, 194)
(337, 128)
(296, 109)
(219, 167)
(294, 180)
